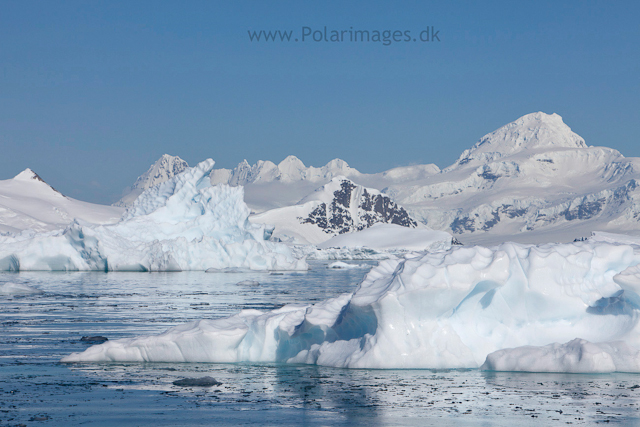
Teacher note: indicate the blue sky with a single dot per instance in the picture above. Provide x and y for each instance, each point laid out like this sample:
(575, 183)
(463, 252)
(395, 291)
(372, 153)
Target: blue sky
(94, 92)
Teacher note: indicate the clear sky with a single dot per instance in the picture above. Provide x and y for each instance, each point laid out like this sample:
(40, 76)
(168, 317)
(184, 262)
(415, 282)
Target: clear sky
(93, 92)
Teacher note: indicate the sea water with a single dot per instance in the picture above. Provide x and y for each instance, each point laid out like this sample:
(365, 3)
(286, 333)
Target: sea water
(36, 330)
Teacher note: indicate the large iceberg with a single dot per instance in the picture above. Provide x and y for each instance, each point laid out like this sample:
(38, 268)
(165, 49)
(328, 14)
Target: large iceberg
(184, 223)
(446, 309)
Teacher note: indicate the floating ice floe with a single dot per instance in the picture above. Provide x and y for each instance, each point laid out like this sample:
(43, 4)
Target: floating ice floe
(390, 237)
(379, 241)
(345, 266)
(577, 355)
(447, 309)
(184, 223)
(11, 288)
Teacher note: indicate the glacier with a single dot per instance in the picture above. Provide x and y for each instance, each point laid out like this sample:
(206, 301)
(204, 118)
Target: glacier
(444, 309)
(183, 223)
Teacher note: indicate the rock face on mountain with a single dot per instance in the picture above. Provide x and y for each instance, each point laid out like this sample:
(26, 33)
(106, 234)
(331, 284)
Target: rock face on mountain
(162, 170)
(351, 207)
(339, 207)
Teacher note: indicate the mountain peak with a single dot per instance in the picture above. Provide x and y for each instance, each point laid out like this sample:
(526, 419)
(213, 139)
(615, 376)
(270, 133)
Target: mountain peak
(165, 168)
(27, 175)
(532, 131)
(338, 164)
(291, 160)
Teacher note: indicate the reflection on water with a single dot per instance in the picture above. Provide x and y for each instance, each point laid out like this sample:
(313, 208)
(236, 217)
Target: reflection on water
(36, 330)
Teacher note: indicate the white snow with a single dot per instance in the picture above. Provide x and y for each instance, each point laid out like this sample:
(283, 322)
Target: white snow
(389, 237)
(184, 223)
(447, 309)
(29, 203)
(11, 288)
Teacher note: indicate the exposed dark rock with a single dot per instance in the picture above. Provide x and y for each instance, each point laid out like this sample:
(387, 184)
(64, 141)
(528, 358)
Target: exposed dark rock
(197, 382)
(336, 218)
(585, 210)
(460, 225)
(489, 176)
(98, 339)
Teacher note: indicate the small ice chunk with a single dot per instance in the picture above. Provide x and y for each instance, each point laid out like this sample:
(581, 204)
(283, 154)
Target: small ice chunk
(342, 265)
(248, 283)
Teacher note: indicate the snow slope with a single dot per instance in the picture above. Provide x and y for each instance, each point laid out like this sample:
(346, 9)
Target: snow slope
(27, 202)
(165, 168)
(390, 237)
(183, 223)
(338, 207)
(446, 309)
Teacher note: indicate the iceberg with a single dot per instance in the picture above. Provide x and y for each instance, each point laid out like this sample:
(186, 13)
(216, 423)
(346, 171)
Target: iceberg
(184, 223)
(448, 309)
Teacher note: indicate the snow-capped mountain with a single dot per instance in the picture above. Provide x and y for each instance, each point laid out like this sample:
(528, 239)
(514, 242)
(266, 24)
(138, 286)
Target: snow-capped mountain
(165, 168)
(338, 207)
(28, 202)
(289, 170)
(269, 186)
(531, 180)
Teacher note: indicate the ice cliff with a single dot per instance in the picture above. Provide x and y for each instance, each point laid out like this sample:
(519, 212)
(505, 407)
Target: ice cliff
(184, 223)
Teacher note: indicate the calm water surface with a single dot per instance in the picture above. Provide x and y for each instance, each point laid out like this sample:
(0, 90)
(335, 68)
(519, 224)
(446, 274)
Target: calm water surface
(37, 330)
